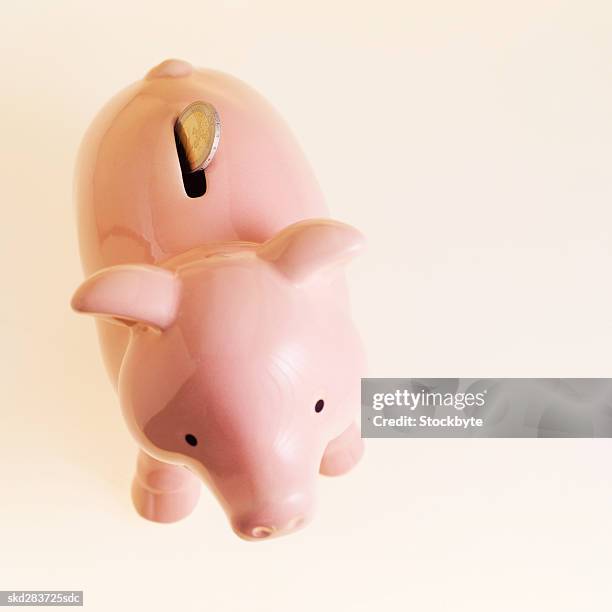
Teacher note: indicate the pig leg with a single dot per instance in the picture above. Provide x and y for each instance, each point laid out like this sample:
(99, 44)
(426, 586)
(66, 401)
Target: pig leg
(342, 453)
(163, 492)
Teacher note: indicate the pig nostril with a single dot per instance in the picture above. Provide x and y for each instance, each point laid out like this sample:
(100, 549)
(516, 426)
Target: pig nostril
(295, 523)
(261, 532)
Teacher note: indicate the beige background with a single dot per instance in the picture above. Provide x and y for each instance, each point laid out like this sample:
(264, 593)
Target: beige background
(472, 141)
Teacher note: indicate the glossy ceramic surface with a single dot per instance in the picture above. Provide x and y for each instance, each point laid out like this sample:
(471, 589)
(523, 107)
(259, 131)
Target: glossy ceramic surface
(223, 319)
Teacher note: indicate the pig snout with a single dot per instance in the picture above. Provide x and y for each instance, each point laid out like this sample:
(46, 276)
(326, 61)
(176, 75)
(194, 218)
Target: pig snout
(275, 519)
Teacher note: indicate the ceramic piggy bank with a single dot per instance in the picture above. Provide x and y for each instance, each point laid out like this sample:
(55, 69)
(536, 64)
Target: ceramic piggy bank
(220, 301)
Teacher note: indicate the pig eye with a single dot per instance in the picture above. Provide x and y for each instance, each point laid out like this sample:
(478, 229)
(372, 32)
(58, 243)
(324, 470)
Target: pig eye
(191, 440)
(319, 406)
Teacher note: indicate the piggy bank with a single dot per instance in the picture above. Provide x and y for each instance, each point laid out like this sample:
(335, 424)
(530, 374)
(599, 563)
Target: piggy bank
(220, 303)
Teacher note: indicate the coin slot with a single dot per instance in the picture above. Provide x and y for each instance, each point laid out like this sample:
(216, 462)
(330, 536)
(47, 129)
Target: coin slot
(194, 183)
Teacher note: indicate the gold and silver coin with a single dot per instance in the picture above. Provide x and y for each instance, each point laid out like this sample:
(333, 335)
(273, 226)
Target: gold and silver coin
(198, 129)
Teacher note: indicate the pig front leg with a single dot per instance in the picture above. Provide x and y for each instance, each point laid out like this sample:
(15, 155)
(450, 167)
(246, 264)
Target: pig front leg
(342, 453)
(163, 492)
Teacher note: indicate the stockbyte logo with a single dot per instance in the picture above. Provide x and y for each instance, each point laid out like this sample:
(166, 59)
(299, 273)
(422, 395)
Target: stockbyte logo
(486, 407)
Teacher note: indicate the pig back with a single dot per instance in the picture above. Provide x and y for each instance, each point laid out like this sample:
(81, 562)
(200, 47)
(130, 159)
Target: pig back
(131, 199)
(132, 203)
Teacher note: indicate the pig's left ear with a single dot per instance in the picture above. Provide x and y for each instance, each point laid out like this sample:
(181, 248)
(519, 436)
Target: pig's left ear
(130, 294)
(307, 249)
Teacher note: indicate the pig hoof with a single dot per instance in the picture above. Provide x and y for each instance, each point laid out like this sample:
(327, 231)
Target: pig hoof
(164, 507)
(336, 462)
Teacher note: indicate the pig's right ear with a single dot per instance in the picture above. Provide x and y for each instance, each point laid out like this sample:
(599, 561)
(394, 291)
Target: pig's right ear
(131, 293)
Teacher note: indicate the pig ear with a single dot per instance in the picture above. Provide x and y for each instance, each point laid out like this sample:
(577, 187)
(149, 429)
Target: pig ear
(309, 248)
(130, 293)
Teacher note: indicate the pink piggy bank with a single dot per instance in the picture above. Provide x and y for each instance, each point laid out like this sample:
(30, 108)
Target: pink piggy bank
(223, 314)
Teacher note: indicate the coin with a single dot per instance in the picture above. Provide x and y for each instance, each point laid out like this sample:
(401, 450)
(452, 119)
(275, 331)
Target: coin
(198, 129)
